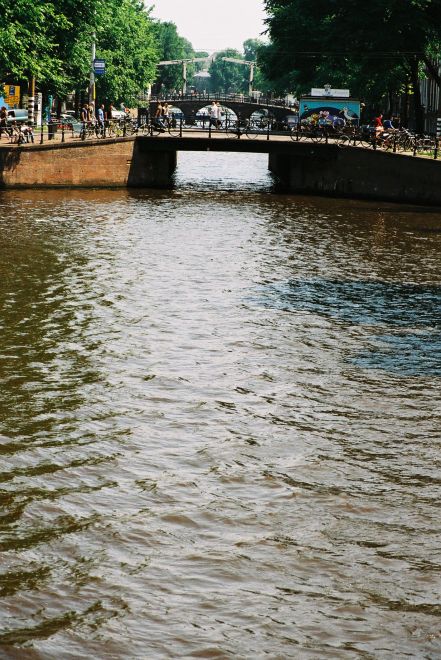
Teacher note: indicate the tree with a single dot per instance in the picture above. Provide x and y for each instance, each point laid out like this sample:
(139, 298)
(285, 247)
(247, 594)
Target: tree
(228, 77)
(375, 51)
(27, 39)
(252, 49)
(171, 46)
(126, 40)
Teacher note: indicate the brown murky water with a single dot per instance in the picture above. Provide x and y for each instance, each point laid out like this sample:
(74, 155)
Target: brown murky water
(220, 422)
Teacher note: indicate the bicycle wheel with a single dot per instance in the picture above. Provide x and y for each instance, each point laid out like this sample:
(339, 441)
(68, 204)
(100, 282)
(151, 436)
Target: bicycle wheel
(154, 130)
(233, 130)
(295, 134)
(343, 140)
(130, 128)
(254, 131)
(174, 128)
(318, 135)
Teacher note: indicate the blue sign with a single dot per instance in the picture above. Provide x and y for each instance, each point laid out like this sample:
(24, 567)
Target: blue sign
(99, 67)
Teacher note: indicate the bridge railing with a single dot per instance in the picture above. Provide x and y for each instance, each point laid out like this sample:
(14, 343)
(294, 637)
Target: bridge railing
(261, 100)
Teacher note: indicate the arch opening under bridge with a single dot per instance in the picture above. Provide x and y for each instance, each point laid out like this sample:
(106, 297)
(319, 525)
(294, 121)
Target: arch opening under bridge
(240, 105)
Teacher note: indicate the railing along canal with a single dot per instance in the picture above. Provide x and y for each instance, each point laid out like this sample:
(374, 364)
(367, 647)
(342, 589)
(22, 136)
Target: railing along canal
(397, 141)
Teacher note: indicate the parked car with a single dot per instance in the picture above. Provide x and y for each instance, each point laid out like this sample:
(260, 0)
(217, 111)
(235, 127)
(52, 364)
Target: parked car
(118, 114)
(19, 115)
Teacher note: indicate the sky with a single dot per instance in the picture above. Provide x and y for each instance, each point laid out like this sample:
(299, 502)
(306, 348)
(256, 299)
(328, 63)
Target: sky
(212, 25)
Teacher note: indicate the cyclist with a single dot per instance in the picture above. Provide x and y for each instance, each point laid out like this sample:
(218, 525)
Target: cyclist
(378, 124)
(158, 118)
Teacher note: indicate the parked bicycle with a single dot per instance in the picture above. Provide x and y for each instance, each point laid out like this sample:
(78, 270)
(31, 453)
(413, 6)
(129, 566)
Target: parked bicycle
(91, 129)
(237, 127)
(155, 128)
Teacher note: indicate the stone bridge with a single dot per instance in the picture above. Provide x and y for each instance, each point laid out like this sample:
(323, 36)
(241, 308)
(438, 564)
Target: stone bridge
(242, 106)
(149, 162)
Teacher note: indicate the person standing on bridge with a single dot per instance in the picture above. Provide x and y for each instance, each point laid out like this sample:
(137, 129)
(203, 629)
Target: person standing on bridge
(215, 114)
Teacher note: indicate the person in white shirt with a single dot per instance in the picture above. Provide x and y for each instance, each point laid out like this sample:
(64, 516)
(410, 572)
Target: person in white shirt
(215, 115)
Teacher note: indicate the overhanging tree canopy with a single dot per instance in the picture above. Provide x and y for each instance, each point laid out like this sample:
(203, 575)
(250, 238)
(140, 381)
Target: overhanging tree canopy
(374, 48)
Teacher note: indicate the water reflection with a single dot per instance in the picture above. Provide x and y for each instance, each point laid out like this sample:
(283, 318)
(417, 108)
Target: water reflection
(368, 303)
(417, 308)
(189, 469)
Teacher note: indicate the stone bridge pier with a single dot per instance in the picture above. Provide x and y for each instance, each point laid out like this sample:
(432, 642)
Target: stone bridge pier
(149, 162)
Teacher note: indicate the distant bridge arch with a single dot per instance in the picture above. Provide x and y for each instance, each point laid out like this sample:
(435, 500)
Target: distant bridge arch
(240, 105)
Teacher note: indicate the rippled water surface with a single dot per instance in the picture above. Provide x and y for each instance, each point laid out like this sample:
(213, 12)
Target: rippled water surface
(219, 422)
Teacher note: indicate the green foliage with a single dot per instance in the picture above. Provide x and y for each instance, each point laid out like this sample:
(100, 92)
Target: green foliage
(27, 39)
(374, 49)
(51, 40)
(171, 46)
(227, 77)
(126, 40)
(253, 49)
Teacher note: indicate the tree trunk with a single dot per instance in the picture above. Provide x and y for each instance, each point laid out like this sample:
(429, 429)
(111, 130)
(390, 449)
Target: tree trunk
(432, 70)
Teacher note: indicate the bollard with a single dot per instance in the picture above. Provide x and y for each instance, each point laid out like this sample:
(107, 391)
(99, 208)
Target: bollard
(435, 152)
(62, 133)
(124, 128)
(41, 134)
(414, 146)
(209, 130)
(180, 128)
(268, 130)
(395, 144)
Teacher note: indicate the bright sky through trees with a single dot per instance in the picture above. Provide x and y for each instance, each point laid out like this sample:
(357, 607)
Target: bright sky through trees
(213, 25)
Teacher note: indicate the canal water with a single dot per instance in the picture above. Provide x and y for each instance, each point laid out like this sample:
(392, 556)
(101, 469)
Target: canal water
(220, 422)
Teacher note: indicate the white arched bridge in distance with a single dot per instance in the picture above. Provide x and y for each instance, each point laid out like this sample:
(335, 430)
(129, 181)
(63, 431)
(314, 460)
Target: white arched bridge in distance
(242, 106)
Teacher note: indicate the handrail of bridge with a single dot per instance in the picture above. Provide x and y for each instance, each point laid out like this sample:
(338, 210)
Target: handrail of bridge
(225, 98)
(427, 146)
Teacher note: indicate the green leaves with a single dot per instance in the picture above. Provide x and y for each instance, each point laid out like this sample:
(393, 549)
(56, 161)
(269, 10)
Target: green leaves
(51, 40)
(369, 48)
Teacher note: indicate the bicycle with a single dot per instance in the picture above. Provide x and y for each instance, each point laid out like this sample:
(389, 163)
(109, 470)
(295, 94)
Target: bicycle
(357, 138)
(236, 128)
(90, 129)
(258, 128)
(153, 128)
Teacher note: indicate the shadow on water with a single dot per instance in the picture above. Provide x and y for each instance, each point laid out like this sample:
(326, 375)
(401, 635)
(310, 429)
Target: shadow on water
(411, 312)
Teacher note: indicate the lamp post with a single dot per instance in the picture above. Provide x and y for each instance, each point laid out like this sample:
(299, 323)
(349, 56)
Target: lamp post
(92, 72)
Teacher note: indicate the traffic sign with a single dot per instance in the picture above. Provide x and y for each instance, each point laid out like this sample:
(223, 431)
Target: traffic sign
(99, 67)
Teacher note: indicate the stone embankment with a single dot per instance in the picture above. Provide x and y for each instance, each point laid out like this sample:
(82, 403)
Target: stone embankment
(301, 167)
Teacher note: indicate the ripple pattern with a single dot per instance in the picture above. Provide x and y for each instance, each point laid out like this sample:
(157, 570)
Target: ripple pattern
(219, 422)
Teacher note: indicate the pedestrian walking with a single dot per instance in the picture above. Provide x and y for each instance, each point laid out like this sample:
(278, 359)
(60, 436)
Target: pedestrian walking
(4, 121)
(215, 115)
(100, 115)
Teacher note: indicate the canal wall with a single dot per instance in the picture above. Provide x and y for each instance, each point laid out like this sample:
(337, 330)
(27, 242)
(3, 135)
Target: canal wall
(362, 173)
(149, 162)
(111, 163)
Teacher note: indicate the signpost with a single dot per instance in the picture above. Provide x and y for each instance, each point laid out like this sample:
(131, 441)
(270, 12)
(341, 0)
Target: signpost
(12, 96)
(99, 67)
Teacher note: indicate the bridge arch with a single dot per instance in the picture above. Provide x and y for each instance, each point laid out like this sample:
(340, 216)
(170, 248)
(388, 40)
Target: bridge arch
(191, 105)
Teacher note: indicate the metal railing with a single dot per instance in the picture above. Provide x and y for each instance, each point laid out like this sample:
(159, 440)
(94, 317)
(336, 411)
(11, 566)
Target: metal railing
(397, 141)
(261, 100)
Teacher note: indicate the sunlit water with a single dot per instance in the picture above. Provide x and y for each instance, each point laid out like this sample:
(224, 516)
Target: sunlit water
(220, 422)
